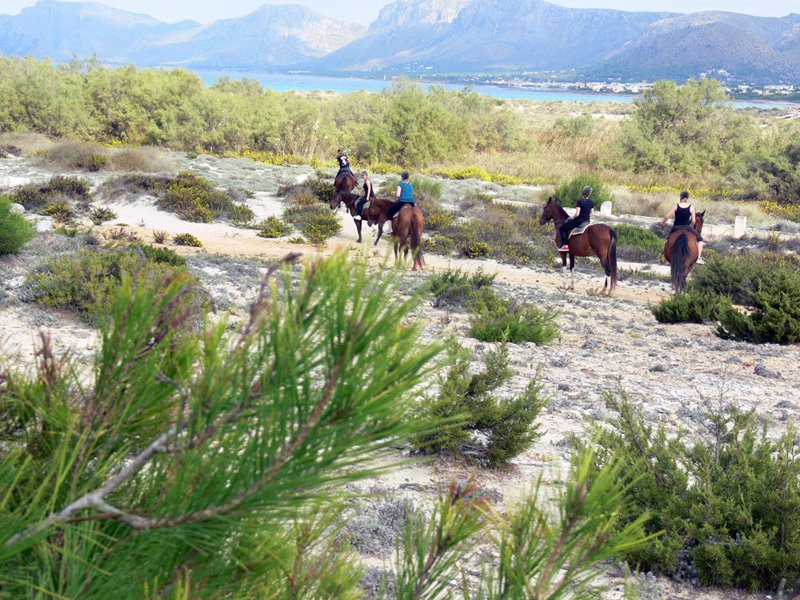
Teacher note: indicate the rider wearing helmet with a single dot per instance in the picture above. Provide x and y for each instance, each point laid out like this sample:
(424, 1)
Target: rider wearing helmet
(369, 194)
(582, 214)
(685, 218)
(405, 197)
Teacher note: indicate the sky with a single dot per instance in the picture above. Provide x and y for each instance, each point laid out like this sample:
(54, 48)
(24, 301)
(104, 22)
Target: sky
(365, 11)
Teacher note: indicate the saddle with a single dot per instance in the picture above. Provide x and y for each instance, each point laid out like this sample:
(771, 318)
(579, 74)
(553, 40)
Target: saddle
(580, 229)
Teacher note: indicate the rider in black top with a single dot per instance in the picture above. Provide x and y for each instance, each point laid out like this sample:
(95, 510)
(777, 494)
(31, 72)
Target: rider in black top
(684, 215)
(369, 192)
(344, 163)
(583, 212)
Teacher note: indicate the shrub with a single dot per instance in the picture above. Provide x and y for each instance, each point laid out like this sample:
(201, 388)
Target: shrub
(15, 230)
(87, 281)
(160, 237)
(121, 234)
(100, 215)
(465, 406)
(475, 249)
(690, 307)
(776, 315)
(498, 320)
(187, 239)
(144, 160)
(456, 289)
(569, 192)
(193, 198)
(240, 215)
(727, 505)
(75, 155)
(436, 217)
(135, 184)
(638, 244)
(59, 209)
(574, 127)
(320, 225)
(34, 196)
(273, 227)
(162, 255)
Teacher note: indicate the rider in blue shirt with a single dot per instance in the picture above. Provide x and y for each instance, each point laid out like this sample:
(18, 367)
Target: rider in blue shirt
(405, 197)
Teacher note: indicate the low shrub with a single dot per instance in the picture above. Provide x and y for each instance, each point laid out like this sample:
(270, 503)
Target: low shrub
(273, 227)
(775, 317)
(75, 155)
(160, 237)
(187, 239)
(143, 160)
(135, 184)
(100, 215)
(321, 225)
(15, 230)
(508, 322)
(193, 198)
(297, 240)
(474, 423)
(319, 188)
(35, 196)
(240, 215)
(440, 244)
(569, 192)
(162, 255)
(59, 209)
(726, 506)
(86, 282)
(121, 234)
(691, 307)
(437, 218)
(638, 244)
(474, 249)
(456, 289)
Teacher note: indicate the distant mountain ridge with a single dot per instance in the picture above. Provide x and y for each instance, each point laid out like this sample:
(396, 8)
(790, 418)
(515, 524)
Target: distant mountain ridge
(452, 36)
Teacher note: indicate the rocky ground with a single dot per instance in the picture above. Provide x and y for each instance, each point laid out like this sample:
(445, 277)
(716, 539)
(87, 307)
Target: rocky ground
(607, 345)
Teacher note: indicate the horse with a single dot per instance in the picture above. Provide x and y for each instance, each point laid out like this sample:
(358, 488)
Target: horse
(345, 182)
(349, 199)
(408, 225)
(598, 239)
(681, 253)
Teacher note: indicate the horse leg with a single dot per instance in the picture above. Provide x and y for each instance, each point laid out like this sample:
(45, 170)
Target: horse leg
(381, 221)
(358, 228)
(571, 271)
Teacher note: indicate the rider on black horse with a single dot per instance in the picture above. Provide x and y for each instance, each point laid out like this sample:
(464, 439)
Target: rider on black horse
(583, 213)
(369, 194)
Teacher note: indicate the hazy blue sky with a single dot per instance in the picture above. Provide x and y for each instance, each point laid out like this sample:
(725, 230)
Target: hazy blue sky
(365, 11)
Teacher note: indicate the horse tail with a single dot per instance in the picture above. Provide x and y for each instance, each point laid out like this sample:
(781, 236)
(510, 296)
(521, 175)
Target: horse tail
(417, 223)
(680, 258)
(612, 259)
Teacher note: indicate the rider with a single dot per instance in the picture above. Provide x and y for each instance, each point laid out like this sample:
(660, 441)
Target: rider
(405, 197)
(344, 163)
(685, 218)
(369, 193)
(582, 214)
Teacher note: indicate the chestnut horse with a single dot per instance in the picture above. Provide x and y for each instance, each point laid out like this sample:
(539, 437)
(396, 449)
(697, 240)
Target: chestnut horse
(349, 199)
(344, 182)
(407, 227)
(599, 240)
(681, 253)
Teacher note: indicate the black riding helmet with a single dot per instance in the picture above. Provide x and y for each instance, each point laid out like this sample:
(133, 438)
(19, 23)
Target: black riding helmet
(587, 191)
(685, 195)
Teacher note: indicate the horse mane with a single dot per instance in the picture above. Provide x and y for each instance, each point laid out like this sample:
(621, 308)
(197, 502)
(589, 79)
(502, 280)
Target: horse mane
(561, 211)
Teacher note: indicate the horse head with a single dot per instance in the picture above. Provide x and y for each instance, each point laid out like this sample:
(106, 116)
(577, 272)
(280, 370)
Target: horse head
(698, 221)
(336, 200)
(547, 211)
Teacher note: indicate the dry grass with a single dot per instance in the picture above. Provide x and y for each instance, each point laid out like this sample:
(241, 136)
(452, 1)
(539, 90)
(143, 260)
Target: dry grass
(29, 143)
(144, 160)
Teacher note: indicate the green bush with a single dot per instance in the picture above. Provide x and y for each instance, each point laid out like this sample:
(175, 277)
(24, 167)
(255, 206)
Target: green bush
(638, 244)
(574, 127)
(187, 239)
(15, 230)
(776, 315)
(34, 196)
(436, 217)
(193, 198)
(240, 215)
(320, 225)
(726, 507)
(569, 192)
(102, 214)
(273, 227)
(87, 281)
(162, 255)
(465, 405)
(136, 184)
(455, 289)
(498, 320)
(475, 249)
(690, 307)
(60, 209)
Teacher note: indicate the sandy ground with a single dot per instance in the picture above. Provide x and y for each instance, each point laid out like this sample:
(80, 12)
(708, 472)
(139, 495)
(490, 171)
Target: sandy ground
(607, 344)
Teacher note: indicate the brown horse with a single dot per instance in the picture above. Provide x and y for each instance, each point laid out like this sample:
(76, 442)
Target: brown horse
(378, 205)
(599, 240)
(345, 182)
(681, 253)
(407, 226)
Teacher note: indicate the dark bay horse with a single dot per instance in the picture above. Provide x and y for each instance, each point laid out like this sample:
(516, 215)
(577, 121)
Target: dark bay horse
(681, 253)
(378, 205)
(599, 240)
(345, 182)
(407, 229)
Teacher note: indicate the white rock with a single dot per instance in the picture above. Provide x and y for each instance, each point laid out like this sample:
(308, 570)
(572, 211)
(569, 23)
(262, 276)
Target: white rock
(17, 208)
(605, 209)
(45, 224)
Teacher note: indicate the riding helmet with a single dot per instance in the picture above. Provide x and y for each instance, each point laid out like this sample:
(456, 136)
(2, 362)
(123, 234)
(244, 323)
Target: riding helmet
(685, 195)
(587, 191)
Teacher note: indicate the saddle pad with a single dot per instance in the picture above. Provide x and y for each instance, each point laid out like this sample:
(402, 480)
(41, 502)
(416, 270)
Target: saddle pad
(580, 229)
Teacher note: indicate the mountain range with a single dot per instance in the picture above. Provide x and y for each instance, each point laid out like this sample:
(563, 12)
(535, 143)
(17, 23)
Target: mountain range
(445, 36)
